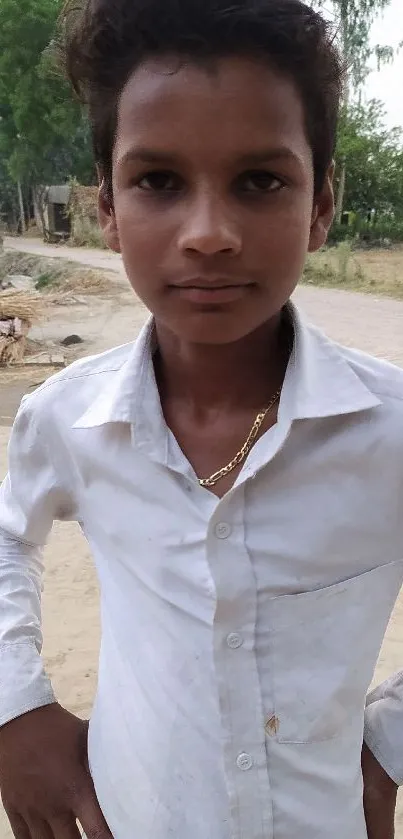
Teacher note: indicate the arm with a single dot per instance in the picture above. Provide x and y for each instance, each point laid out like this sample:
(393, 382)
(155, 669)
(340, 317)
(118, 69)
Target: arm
(24, 684)
(29, 502)
(31, 498)
(44, 776)
(382, 759)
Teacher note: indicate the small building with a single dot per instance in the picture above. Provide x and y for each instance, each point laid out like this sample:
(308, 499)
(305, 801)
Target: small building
(57, 216)
(66, 210)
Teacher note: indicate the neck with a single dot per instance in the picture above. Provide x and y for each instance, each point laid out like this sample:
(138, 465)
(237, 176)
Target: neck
(246, 373)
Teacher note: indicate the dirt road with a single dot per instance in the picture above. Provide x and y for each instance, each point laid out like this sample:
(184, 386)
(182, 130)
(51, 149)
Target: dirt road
(365, 321)
(70, 599)
(107, 260)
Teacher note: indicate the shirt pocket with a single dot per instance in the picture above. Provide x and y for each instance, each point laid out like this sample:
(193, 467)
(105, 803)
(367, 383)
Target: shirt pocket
(324, 646)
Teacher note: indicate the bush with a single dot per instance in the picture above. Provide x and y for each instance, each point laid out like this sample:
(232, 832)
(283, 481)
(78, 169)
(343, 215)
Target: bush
(334, 267)
(87, 233)
(83, 213)
(380, 233)
(320, 273)
(48, 278)
(341, 233)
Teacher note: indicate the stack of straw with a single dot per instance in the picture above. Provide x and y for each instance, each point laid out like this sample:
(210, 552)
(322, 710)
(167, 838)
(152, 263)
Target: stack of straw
(19, 310)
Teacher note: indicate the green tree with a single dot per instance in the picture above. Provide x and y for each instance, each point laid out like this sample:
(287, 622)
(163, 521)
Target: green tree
(374, 176)
(354, 20)
(8, 199)
(43, 135)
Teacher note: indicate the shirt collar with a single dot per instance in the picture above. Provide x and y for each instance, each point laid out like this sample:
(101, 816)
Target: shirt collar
(118, 402)
(319, 382)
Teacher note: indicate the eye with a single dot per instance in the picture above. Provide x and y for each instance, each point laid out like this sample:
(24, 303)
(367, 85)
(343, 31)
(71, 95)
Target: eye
(159, 181)
(259, 181)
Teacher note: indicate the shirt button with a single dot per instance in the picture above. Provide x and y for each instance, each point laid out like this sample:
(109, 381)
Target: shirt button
(222, 530)
(244, 762)
(234, 640)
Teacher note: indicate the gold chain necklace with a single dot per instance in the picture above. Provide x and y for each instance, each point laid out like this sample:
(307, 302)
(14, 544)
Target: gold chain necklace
(244, 451)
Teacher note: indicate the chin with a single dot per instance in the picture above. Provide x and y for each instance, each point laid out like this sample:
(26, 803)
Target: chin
(213, 328)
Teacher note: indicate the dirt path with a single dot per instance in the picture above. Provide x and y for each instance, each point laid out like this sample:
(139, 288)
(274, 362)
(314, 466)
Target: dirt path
(85, 256)
(70, 599)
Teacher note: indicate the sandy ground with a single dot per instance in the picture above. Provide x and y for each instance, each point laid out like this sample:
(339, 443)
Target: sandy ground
(71, 624)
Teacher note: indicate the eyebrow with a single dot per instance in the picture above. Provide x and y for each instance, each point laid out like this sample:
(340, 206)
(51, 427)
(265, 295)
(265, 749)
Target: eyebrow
(153, 157)
(269, 155)
(143, 155)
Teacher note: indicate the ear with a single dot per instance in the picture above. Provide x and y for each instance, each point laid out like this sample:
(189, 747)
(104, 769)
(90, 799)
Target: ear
(107, 218)
(322, 213)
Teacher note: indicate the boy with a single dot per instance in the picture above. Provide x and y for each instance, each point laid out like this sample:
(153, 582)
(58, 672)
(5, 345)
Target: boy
(237, 475)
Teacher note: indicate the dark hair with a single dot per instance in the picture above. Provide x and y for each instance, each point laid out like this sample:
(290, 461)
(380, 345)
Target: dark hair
(103, 41)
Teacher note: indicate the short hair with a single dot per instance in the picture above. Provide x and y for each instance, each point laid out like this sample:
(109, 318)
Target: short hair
(104, 41)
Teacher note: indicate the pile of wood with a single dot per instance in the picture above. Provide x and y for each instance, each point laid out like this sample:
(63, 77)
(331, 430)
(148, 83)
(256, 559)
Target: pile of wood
(83, 202)
(19, 310)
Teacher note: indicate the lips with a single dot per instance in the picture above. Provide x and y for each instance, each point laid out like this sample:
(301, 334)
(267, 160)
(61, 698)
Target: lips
(211, 291)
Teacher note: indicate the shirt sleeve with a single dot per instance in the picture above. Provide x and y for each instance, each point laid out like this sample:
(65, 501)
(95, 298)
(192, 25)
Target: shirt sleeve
(383, 732)
(30, 500)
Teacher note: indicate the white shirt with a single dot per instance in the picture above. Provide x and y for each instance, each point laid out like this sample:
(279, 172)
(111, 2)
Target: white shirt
(239, 636)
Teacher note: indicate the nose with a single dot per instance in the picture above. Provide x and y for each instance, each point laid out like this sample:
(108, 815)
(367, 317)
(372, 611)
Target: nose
(209, 229)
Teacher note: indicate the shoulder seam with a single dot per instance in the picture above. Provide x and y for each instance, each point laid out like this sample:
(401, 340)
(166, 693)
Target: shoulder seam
(48, 384)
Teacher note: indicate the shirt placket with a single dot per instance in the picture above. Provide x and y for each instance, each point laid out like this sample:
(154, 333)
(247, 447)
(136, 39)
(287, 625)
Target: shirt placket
(240, 698)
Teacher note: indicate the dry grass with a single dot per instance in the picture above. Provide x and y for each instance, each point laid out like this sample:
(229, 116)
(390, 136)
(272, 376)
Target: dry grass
(88, 281)
(24, 309)
(12, 350)
(83, 209)
(372, 272)
(383, 269)
(55, 280)
(54, 275)
(86, 234)
(14, 262)
(27, 307)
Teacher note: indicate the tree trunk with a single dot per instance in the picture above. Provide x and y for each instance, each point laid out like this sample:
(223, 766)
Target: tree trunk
(40, 194)
(340, 192)
(346, 47)
(22, 209)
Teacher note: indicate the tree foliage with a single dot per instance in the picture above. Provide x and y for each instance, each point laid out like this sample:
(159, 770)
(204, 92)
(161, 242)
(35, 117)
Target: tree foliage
(353, 21)
(44, 137)
(43, 134)
(374, 177)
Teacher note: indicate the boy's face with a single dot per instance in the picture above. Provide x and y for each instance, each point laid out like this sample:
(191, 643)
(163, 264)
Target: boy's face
(214, 207)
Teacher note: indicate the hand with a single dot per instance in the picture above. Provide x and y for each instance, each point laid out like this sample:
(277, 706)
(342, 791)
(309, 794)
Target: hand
(45, 781)
(380, 794)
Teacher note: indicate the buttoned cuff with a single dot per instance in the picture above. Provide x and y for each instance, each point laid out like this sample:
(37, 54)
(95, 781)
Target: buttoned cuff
(383, 730)
(24, 685)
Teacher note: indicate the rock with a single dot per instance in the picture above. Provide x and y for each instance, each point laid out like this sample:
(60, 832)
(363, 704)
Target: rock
(13, 327)
(57, 360)
(68, 300)
(6, 327)
(18, 281)
(45, 359)
(71, 341)
(40, 358)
